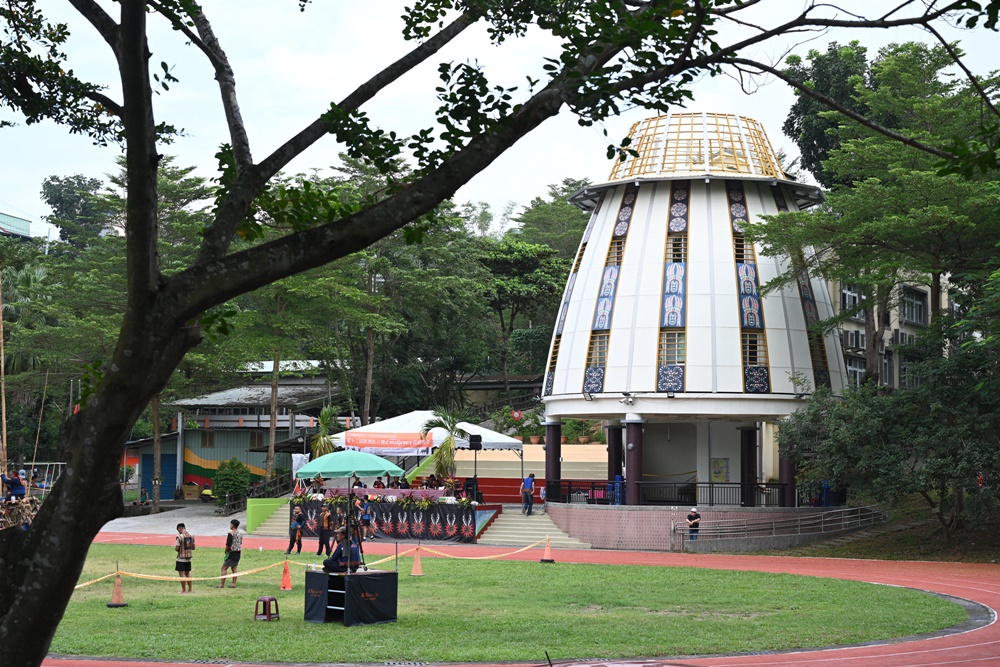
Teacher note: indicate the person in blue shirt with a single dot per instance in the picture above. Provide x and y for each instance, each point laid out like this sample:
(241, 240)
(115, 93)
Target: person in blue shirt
(15, 486)
(527, 494)
(338, 562)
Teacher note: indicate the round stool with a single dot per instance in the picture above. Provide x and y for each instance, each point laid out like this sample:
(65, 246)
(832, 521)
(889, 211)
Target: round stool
(263, 610)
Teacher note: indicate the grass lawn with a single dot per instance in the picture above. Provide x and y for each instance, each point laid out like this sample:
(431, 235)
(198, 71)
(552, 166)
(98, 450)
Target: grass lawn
(486, 611)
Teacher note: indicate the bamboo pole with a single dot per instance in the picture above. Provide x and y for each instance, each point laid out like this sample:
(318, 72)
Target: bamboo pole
(38, 433)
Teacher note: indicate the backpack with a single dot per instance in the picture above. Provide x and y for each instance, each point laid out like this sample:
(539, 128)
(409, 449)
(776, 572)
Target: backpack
(189, 542)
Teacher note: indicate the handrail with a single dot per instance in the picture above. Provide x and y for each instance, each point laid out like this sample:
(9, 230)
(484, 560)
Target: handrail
(850, 518)
(276, 487)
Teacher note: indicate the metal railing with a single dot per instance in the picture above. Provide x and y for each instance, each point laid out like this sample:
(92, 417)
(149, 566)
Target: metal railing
(710, 494)
(848, 518)
(526, 401)
(278, 486)
(668, 493)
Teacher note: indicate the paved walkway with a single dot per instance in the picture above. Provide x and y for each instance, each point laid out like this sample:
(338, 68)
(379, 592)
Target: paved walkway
(978, 646)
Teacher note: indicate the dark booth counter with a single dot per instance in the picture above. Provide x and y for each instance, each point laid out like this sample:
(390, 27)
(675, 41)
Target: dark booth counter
(359, 598)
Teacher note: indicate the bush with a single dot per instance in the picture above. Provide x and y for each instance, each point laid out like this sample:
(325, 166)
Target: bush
(233, 478)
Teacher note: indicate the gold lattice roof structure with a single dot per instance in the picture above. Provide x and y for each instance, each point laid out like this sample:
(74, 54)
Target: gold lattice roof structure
(683, 144)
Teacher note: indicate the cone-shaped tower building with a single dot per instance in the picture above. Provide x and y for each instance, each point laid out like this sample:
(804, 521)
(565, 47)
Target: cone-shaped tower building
(663, 331)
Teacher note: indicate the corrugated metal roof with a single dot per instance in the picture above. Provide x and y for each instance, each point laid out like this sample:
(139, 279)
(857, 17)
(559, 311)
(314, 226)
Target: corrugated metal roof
(256, 396)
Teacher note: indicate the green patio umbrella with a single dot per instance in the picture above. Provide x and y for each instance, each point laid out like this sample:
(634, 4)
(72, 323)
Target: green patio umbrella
(346, 463)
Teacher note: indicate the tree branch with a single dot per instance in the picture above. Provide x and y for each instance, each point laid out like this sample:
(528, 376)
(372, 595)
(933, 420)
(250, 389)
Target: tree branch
(101, 20)
(958, 61)
(234, 209)
(836, 106)
(207, 284)
(113, 107)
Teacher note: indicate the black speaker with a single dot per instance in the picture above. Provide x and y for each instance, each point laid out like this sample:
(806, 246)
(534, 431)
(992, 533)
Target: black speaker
(476, 442)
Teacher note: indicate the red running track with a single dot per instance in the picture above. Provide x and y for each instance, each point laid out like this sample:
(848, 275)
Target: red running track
(972, 581)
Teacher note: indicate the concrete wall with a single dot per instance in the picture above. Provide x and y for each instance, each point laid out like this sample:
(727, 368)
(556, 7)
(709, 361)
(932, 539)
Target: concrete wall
(648, 528)
(669, 452)
(731, 545)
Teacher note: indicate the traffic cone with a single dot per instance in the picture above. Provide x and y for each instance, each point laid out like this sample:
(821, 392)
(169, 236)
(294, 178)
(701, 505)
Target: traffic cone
(286, 579)
(547, 556)
(417, 570)
(117, 598)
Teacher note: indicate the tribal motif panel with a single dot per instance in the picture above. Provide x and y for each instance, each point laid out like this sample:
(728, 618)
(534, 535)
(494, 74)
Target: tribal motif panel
(673, 295)
(625, 210)
(756, 380)
(593, 380)
(756, 377)
(606, 298)
(670, 378)
(680, 200)
(737, 205)
(817, 346)
(751, 315)
(550, 378)
(565, 304)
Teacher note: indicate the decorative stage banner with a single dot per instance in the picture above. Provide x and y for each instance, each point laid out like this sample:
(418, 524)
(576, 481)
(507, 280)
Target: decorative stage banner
(369, 439)
(446, 523)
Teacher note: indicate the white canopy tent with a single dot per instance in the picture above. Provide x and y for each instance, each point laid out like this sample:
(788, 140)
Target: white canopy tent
(400, 436)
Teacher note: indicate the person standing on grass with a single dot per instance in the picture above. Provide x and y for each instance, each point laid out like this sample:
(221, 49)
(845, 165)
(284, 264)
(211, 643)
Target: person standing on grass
(295, 528)
(234, 549)
(527, 494)
(184, 546)
(694, 523)
(325, 528)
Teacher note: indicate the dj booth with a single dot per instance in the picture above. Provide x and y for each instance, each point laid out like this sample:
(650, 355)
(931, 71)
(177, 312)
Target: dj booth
(358, 598)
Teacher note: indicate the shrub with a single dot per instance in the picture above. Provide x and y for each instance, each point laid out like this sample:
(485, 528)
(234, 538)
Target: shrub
(233, 478)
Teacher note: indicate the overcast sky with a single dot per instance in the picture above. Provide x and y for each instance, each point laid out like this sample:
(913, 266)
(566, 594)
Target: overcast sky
(290, 65)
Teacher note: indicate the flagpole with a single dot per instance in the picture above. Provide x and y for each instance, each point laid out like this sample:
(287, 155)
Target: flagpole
(3, 384)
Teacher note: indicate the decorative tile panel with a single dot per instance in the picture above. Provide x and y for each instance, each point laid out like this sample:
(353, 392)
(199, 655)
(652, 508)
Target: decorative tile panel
(606, 299)
(751, 315)
(565, 304)
(738, 214)
(550, 378)
(673, 295)
(680, 200)
(593, 380)
(670, 378)
(626, 210)
(756, 380)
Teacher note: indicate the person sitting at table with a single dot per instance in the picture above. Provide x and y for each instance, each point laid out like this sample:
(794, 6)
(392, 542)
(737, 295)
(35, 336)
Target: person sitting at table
(431, 482)
(317, 484)
(338, 562)
(393, 482)
(378, 483)
(404, 483)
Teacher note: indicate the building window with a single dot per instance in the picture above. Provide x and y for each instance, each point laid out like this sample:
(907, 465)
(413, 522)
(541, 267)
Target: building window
(743, 249)
(579, 258)
(887, 369)
(208, 439)
(855, 371)
(258, 438)
(597, 355)
(677, 248)
(672, 350)
(754, 349)
(915, 307)
(555, 353)
(851, 298)
(907, 377)
(615, 252)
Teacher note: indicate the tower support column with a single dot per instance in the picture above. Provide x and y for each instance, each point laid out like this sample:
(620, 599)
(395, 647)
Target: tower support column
(633, 459)
(553, 460)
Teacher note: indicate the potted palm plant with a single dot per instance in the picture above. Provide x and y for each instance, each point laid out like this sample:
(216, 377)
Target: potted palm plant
(444, 456)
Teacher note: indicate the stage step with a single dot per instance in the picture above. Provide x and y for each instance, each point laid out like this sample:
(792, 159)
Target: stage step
(512, 528)
(275, 525)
